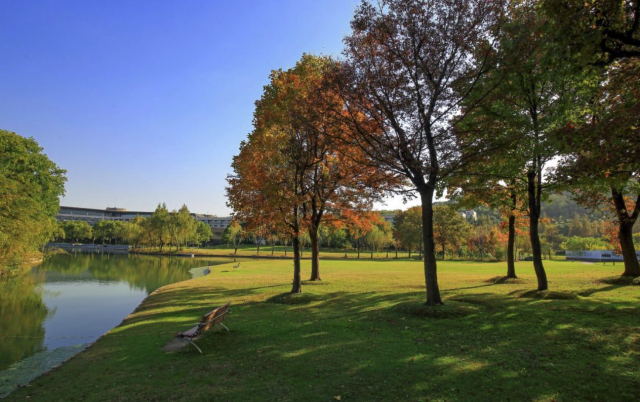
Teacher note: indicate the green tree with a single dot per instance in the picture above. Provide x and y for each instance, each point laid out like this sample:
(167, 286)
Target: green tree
(450, 228)
(203, 233)
(106, 231)
(408, 229)
(77, 230)
(181, 227)
(576, 243)
(30, 187)
(534, 89)
(158, 226)
(233, 234)
(133, 231)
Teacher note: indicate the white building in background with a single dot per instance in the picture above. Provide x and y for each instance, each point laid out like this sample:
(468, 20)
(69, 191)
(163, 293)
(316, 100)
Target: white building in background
(216, 222)
(469, 215)
(91, 216)
(595, 256)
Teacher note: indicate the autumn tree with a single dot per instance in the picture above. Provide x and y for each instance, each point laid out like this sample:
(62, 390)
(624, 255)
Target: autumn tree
(404, 60)
(358, 225)
(313, 172)
(266, 183)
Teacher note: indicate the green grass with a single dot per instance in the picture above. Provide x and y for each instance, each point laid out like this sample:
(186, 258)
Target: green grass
(364, 334)
(250, 250)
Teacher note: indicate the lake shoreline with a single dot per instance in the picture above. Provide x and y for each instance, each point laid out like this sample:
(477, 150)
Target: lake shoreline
(23, 372)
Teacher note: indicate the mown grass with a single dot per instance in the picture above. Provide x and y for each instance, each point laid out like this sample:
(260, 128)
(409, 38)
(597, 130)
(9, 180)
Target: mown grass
(251, 250)
(364, 334)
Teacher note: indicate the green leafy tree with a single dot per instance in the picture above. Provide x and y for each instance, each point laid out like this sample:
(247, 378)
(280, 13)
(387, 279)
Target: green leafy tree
(408, 229)
(203, 232)
(106, 231)
(450, 228)
(575, 243)
(233, 234)
(133, 231)
(534, 88)
(30, 187)
(181, 227)
(77, 230)
(158, 226)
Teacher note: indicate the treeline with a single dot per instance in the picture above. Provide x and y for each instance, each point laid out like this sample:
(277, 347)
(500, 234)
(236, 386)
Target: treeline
(163, 229)
(482, 239)
(471, 97)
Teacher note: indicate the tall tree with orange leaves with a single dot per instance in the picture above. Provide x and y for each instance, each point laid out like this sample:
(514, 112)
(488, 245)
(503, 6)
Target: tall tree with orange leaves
(295, 167)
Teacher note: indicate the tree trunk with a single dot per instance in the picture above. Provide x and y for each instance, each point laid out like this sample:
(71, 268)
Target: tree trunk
(430, 265)
(443, 254)
(511, 265)
(358, 247)
(258, 246)
(534, 217)
(625, 234)
(371, 252)
(631, 264)
(315, 254)
(297, 286)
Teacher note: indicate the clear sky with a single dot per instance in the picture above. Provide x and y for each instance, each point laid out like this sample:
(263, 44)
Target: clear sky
(147, 101)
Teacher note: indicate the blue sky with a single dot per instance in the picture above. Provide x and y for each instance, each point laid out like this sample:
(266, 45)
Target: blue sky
(147, 101)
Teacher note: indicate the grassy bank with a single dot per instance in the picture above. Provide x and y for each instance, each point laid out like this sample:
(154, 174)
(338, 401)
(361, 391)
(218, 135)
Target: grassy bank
(362, 334)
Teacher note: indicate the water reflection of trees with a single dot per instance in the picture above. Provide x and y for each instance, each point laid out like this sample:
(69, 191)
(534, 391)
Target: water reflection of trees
(141, 272)
(22, 309)
(22, 314)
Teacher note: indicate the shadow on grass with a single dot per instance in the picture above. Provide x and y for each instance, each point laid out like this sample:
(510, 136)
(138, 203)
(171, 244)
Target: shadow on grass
(500, 280)
(545, 294)
(361, 346)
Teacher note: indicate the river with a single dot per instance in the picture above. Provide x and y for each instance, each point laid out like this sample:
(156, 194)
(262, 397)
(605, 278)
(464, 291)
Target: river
(58, 307)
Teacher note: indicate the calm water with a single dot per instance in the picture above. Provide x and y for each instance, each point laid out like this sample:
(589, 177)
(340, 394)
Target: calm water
(73, 299)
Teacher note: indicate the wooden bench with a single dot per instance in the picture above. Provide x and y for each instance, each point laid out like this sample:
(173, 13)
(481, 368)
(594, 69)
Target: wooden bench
(215, 316)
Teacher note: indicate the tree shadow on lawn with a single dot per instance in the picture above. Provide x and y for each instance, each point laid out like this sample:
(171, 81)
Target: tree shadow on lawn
(388, 352)
(360, 346)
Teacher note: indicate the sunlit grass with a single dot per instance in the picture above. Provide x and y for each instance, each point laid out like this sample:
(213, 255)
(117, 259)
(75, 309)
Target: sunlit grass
(364, 334)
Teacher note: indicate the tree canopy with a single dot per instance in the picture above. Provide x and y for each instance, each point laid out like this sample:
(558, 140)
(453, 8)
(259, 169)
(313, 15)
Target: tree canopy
(30, 187)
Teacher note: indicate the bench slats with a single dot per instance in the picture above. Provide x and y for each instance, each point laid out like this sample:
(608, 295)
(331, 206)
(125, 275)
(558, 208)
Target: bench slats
(215, 316)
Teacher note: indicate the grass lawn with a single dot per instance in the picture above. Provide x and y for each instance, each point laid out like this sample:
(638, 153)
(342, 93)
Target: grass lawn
(250, 250)
(363, 334)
